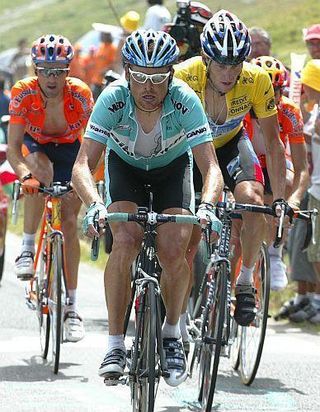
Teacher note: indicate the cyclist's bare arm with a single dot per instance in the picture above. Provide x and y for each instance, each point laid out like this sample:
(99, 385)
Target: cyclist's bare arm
(14, 155)
(275, 155)
(86, 162)
(206, 159)
(301, 174)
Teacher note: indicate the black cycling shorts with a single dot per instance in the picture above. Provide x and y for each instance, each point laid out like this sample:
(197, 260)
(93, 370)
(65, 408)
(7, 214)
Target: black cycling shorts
(172, 185)
(61, 155)
(238, 162)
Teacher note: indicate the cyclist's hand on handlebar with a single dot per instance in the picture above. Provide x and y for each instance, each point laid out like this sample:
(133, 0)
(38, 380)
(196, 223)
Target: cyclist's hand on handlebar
(207, 215)
(30, 185)
(96, 212)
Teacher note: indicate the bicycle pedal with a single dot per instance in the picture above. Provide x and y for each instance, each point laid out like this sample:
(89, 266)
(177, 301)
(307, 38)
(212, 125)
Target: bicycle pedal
(111, 381)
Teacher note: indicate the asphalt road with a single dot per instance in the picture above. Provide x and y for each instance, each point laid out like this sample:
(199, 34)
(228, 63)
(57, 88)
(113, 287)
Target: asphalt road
(288, 378)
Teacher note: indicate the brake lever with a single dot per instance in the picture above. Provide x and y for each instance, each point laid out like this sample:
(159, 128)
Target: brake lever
(95, 245)
(279, 234)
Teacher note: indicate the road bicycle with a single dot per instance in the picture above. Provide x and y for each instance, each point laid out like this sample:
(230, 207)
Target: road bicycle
(46, 293)
(145, 359)
(215, 332)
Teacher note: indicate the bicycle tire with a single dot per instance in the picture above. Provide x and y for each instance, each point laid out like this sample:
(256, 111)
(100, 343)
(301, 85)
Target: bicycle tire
(2, 257)
(42, 307)
(145, 373)
(210, 353)
(253, 336)
(57, 293)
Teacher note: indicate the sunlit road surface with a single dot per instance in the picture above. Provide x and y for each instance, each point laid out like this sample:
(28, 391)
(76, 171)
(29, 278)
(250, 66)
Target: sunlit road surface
(288, 378)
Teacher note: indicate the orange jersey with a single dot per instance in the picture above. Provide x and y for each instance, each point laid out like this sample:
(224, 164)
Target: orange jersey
(27, 108)
(290, 128)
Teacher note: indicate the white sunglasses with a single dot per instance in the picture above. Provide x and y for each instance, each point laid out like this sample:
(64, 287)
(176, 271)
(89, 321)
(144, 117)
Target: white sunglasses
(156, 78)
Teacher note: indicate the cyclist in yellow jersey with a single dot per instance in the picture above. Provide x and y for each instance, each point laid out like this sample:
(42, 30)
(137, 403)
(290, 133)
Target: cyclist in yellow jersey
(229, 88)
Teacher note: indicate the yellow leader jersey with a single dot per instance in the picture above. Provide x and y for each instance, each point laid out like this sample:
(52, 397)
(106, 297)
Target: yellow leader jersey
(253, 90)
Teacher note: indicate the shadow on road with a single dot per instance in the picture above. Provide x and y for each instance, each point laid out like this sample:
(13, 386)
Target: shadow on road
(36, 369)
(101, 325)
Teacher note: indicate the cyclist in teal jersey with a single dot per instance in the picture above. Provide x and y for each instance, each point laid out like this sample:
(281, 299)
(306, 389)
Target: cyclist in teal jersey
(153, 127)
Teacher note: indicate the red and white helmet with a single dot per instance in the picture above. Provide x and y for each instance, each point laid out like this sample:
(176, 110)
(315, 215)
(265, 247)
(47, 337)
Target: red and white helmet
(199, 12)
(52, 48)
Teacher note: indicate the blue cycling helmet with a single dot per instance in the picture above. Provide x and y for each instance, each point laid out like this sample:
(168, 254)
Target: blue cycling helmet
(225, 39)
(149, 48)
(52, 48)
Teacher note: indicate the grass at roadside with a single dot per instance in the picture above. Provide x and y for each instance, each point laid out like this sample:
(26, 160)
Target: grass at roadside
(283, 20)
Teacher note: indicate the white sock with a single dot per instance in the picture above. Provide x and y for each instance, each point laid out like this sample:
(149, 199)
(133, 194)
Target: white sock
(171, 331)
(116, 342)
(183, 326)
(316, 301)
(72, 307)
(246, 276)
(275, 251)
(310, 295)
(28, 242)
(298, 298)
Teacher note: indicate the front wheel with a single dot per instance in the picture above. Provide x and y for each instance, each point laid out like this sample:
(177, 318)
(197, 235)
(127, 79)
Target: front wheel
(144, 373)
(253, 336)
(212, 336)
(57, 295)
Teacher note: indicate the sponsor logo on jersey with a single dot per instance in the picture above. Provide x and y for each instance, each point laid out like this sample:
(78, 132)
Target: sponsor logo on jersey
(98, 130)
(116, 106)
(196, 132)
(270, 104)
(179, 106)
(239, 105)
(192, 78)
(18, 99)
(247, 80)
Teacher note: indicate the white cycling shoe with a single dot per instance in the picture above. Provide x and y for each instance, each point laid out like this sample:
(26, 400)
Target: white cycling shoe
(24, 266)
(73, 327)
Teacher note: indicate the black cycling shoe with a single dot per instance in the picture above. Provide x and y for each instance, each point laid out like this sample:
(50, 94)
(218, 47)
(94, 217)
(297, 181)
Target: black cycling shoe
(289, 307)
(245, 310)
(113, 364)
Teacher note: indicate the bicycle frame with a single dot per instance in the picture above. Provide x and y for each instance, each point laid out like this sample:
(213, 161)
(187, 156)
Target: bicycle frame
(46, 292)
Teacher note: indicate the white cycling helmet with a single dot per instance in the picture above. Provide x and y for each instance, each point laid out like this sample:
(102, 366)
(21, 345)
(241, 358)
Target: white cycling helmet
(149, 48)
(225, 39)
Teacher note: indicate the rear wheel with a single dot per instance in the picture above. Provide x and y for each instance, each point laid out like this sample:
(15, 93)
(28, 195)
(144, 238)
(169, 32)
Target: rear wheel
(213, 328)
(2, 262)
(57, 295)
(252, 336)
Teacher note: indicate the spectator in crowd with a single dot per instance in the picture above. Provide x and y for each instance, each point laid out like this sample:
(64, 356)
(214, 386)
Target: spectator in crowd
(19, 60)
(4, 99)
(104, 60)
(311, 36)
(88, 62)
(130, 22)
(76, 65)
(311, 83)
(157, 15)
(302, 270)
(260, 42)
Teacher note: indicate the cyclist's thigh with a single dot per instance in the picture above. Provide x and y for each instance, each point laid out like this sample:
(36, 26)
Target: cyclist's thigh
(238, 162)
(37, 160)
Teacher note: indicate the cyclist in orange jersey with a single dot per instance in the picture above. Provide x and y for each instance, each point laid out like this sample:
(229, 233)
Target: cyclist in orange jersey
(49, 113)
(291, 134)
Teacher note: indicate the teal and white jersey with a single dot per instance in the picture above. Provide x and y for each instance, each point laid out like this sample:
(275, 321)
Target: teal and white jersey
(183, 124)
